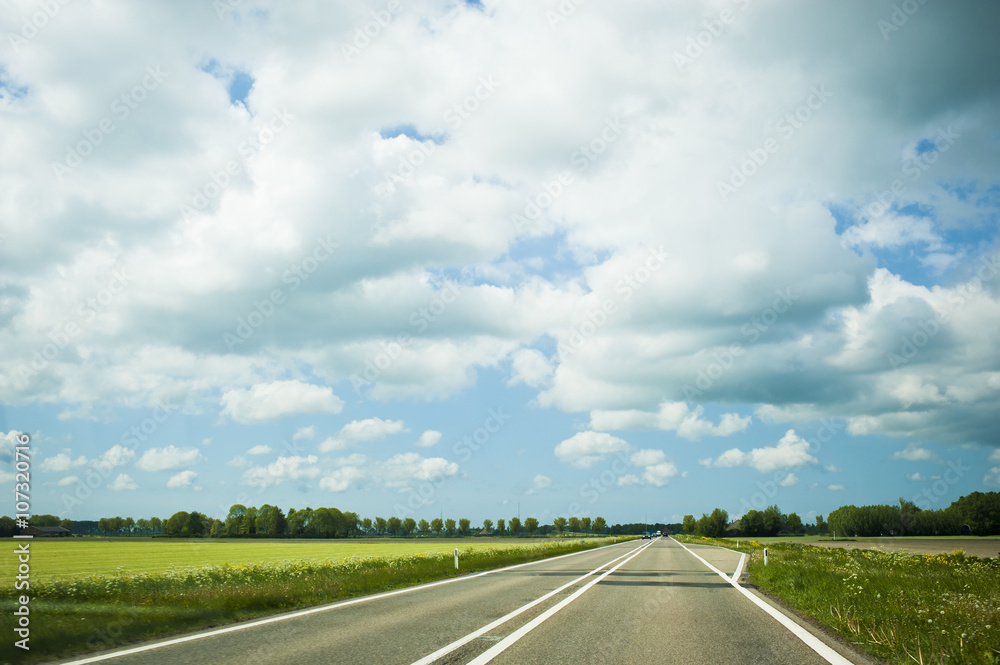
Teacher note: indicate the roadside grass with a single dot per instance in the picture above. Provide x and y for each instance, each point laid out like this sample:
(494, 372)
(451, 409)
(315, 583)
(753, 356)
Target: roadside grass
(96, 612)
(903, 607)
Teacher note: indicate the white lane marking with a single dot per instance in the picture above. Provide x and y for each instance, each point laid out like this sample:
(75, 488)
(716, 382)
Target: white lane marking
(739, 568)
(313, 610)
(808, 638)
(500, 647)
(445, 650)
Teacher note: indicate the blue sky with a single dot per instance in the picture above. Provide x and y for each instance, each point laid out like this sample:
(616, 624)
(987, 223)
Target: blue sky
(478, 258)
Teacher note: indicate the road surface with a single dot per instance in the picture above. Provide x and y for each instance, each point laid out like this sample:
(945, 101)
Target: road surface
(635, 602)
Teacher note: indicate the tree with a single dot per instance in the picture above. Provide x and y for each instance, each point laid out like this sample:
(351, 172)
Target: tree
(463, 526)
(298, 520)
(197, 525)
(714, 525)
(774, 521)
(600, 526)
(424, 526)
(176, 524)
(437, 524)
(752, 523)
(248, 527)
(488, 525)
(794, 522)
(689, 524)
(585, 524)
(67, 524)
(501, 526)
(531, 525)
(573, 524)
(409, 526)
(380, 524)
(560, 524)
(217, 529)
(820, 524)
(366, 524)
(156, 524)
(449, 526)
(7, 527)
(394, 525)
(515, 526)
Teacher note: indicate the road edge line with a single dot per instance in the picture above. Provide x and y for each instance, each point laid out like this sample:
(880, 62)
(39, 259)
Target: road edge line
(822, 648)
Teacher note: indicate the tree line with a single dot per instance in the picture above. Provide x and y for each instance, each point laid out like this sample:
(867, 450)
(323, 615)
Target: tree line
(976, 514)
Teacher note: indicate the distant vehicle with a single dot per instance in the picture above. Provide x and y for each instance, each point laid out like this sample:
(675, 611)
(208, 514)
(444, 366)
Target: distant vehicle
(646, 535)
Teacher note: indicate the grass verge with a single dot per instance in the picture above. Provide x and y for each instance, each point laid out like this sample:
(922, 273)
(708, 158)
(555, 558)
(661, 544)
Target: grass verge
(103, 611)
(902, 607)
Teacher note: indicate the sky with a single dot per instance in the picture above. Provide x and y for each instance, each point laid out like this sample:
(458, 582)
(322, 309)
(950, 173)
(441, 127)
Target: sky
(488, 259)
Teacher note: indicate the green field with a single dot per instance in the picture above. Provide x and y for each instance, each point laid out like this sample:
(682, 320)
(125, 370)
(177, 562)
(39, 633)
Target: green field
(66, 559)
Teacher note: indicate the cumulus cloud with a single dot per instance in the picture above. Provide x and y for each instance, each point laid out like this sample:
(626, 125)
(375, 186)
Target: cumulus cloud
(259, 450)
(123, 482)
(672, 416)
(791, 451)
(265, 402)
(369, 429)
(401, 469)
(836, 488)
(428, 438)
(61, 462)
(539, 482)
(790, 480)
(182, 480)
(116, 455)
(342, 479)
(68, 480)
(992, 477)
(304, 433)
(170, 457)
(584, 449)
(530, 367)
(916, 476)
(284, 469)
(914, 453)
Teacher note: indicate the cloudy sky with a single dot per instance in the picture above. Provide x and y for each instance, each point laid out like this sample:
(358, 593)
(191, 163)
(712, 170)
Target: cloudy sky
(413, 257)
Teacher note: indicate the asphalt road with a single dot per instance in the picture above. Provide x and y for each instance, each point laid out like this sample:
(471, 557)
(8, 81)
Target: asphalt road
(635, 602)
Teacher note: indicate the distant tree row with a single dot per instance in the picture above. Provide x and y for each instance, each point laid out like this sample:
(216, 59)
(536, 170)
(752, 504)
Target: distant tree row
(976, 514)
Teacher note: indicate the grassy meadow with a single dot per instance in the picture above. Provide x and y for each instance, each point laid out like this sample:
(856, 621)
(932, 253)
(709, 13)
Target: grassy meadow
(89, 595)
(905, 608)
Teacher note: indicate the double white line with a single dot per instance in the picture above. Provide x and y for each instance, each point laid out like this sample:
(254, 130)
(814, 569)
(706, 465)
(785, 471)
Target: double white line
(501, 646)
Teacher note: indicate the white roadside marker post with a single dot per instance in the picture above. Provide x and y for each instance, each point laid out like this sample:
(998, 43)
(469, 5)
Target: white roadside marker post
(765, 556)
(456, 558)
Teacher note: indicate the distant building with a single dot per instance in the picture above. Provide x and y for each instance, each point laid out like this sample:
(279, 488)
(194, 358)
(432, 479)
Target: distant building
(46, 532)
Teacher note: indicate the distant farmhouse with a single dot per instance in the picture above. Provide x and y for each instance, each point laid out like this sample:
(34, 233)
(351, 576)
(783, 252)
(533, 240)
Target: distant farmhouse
(46, 531)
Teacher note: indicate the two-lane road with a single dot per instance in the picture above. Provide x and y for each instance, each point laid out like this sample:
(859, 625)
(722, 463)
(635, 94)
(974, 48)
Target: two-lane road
(635, 602)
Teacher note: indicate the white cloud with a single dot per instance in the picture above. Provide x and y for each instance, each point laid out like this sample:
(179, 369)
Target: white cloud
(584, 449)
(170, 457)
(791, 451)
(672, 416)
(68, 480)
(116, 455)
(369, 429)
(61, 462)
(292, 468)
(530, 367)
(914, 453)
(648, 457)
(399, 470)
(428, 438)
(123, 482)
(304, 433)
(835, 488)
(790, 480)
(181, 480)
(342, 479)
(992, 477)
(265, 402)
(995, 457)
(832, 468)
(259, 450)
(659, 474)
(239, 461)
(916, 476)
(539, 482)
